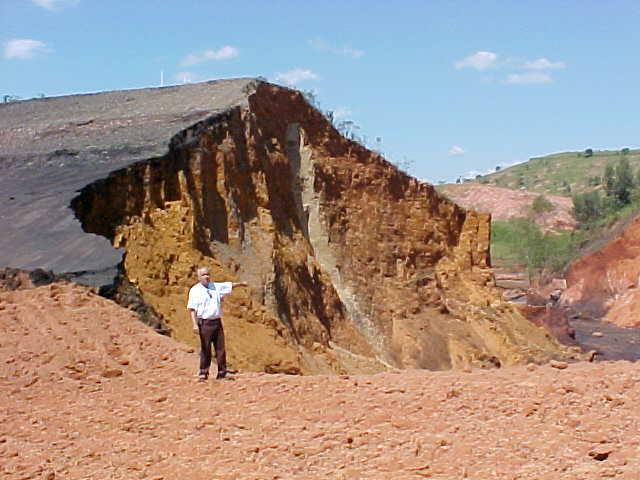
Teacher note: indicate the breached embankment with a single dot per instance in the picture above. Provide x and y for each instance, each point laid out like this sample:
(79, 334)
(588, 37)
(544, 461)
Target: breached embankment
(352, 265)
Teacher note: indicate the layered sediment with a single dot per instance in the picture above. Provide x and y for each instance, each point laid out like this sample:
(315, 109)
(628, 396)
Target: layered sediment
(352, 265)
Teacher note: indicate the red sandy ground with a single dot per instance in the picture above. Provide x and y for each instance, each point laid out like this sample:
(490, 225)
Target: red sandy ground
(90, 392)
(505, 204)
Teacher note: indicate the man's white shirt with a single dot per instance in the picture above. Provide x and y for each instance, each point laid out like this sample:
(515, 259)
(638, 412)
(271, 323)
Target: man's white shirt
(206, 300)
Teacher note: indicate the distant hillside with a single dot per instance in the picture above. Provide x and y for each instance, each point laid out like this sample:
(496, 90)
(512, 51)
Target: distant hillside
(507, 204)
(560, 173)
(535, 198)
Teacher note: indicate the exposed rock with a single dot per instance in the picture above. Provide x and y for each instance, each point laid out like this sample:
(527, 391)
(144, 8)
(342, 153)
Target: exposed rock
(352, 265)
(540, 305)
(551, 317)
(128, 295)
(112, 373)
(605, 283)
(16, 279)
(559, 365)
(601, 452)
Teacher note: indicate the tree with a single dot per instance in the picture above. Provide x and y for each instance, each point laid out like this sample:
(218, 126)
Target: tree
(587, 207)
(531, 247)
(623, 181)
(609, 179)
(588, 152)
(624, 151)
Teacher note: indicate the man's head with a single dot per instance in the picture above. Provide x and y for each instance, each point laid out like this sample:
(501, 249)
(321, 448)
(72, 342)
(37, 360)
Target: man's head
(203, 276)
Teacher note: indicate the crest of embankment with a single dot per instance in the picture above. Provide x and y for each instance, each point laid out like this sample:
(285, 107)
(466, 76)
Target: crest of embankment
(351, 264)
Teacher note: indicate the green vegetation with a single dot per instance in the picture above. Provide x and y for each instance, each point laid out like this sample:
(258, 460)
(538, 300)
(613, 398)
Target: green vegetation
(541, 205)
(520, 243)
(604, 190)
(620, 194)
(587, 207)
(563, 174)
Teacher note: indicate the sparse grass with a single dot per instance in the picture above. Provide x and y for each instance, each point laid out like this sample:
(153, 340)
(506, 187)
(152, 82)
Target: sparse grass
(519, 243)
(561, 173)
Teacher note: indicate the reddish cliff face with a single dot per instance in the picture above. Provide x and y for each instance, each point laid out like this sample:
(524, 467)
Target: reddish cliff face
(352, 265)
(605, 283)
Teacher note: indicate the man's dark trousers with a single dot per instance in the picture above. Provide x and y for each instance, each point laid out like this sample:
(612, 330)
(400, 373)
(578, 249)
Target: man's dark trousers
(211, 332)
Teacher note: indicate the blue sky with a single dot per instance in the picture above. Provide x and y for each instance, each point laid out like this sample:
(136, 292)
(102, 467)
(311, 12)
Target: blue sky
(450, 87)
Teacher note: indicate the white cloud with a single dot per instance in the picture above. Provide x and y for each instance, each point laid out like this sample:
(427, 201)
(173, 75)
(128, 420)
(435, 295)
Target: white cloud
(224, 53)
(347, 51)
(528, 78)
(53, 5)
(295, 76)
(456, 150)
(479, 61)
(23, 48)
(543, 64)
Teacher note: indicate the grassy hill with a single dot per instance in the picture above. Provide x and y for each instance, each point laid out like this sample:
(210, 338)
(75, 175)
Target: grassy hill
(561, 173)
(519, 243)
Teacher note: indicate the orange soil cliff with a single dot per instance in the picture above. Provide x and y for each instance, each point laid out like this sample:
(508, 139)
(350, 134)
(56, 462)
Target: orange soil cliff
(605, 282)
(352, 265)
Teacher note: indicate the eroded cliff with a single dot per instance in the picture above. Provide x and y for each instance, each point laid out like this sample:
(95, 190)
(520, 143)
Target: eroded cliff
(604, 284)
(352, 265)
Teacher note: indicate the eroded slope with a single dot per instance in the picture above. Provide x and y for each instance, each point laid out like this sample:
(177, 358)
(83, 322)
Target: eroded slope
(605, 283)
(506, 204)
(352, 265)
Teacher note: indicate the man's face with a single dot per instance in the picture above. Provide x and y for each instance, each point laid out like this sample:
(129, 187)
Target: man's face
(203, 276)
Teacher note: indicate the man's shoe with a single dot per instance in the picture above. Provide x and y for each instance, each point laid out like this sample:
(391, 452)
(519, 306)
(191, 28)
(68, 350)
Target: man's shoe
(202, 378)
(226, 376)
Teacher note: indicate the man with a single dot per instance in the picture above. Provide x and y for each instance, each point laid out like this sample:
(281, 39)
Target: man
(205, 310)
